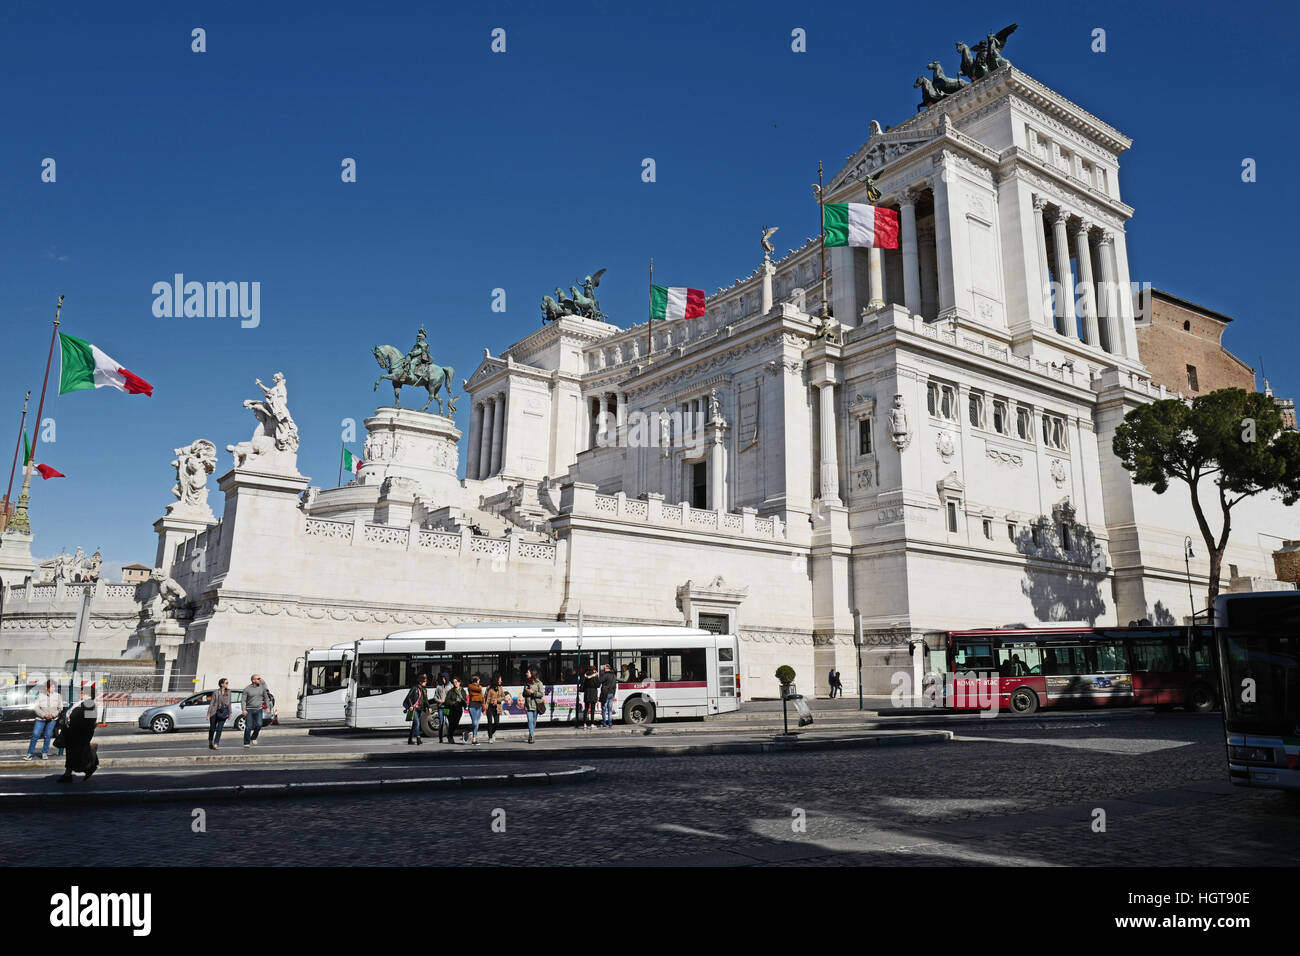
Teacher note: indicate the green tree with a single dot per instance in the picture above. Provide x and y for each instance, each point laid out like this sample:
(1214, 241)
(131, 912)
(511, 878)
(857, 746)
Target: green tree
(1231, 437)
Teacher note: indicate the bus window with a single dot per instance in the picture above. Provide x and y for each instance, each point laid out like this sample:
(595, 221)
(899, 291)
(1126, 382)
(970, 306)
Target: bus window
(485, 666)
(1019, 660)
(382, 674)
(1111, 658)
(633, 666)
(1151, 656)
(685, 665)
(975, 657)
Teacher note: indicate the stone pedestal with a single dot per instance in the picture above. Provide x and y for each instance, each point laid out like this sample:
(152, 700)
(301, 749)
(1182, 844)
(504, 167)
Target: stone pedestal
(16, 561)
(263, 519)
(176, 526)
(416, 450)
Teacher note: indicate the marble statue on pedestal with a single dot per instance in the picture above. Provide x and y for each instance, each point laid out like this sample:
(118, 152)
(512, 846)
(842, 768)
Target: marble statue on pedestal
(276, 430)
(171, 596)
(193, 463)
(898, 430)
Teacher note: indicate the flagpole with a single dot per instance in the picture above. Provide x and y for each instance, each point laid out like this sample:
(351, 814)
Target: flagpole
(342, 446)
(21, 521)
(650, 322)
(821, 208)
(22, 432)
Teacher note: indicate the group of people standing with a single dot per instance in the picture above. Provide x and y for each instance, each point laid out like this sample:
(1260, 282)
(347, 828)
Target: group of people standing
(443, 706)
(439, 709)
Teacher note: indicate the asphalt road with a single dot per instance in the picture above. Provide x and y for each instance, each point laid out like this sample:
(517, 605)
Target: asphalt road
(1009, 792)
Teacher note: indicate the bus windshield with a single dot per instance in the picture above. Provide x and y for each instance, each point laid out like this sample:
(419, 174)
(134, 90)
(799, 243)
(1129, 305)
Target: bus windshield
(1262, 679)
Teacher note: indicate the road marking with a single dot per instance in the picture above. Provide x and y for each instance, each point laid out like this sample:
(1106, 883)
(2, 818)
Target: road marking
(689, 831)
(1112, 745)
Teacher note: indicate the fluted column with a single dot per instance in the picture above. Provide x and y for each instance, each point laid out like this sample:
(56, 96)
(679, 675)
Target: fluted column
(498, 431)
(876, 274)
(1110, 309)
(830, 465)
(485, 439)
(1088, 301)
(475, 440)
(911, 253)
(1066, 324)
(1044, 271)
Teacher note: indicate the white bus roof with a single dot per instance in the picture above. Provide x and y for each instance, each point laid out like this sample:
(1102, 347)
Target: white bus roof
(557, 629)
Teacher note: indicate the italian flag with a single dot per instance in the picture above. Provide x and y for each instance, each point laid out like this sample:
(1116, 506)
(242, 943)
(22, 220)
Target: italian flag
(675, 302)
(861, 225)
(87, 366)
(350, 463)
(45, 470)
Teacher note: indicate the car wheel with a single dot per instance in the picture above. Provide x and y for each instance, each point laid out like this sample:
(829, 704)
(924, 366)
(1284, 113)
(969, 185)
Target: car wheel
(1200, 699)
(1023, 701)
(161, 724)
(239, 723)
(638, 710)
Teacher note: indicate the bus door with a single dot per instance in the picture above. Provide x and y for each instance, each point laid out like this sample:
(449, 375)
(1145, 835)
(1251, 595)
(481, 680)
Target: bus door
(1151, 660)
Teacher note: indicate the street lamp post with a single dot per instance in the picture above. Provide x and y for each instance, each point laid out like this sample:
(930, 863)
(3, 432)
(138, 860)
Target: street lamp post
(857, 642)
(577, 688)
(1187, 562)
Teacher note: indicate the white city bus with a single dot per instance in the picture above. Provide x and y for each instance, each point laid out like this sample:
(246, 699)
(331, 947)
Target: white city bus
(324, 682)
(663, 671)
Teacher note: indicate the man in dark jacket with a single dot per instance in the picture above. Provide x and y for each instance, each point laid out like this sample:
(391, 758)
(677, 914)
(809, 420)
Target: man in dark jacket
(415, 704)
(608, 690)
(590, 694)
(79, 750)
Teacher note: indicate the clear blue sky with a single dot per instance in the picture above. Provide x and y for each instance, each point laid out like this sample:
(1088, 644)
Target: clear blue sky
(522, 171)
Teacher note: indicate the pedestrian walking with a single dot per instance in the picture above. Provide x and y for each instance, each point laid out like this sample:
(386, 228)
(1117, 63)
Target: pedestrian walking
(79, 749)
(830, 682)
(256, 698)
(415, 704)
(590, 695)
(218, 713)
(494, 703)
(474, 700)
(454, 702)
(608, 690)
(534, 692)
(47, 706)
(439, 697)
(838, 685)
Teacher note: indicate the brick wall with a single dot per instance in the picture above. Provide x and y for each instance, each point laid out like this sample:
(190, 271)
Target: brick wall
(1180, 335)
(1286, 561)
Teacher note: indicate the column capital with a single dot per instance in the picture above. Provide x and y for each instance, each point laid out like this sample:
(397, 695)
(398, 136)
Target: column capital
(911, 195)
(1040, 203)
(1059, 216)
(1083, 226)
(823, 374)
(1105, 237)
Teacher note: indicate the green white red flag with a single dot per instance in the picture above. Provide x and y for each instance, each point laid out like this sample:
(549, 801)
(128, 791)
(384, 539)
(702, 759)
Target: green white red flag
(861, 225)
(47, 472)
(676, 302)
(87, 366)
(351, 463)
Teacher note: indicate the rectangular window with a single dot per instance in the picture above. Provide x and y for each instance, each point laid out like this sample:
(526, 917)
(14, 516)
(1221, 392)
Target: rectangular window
(988, 529)
(941, 400)
(1024, 427)
(715, 624)
(1054, 431)
(1011, 531)
(1191, 379)
(699, 485)
(1001, 424)
(952, 516)
(975, 410)
(1066, 543)
(864, 436)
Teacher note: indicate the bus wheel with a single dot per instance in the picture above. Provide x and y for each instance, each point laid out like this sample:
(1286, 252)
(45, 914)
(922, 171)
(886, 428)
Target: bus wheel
(1023, 701)
(1200, 699)
(638, 710)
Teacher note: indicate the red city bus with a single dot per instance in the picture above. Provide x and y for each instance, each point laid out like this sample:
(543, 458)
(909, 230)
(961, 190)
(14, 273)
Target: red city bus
(1024, 669)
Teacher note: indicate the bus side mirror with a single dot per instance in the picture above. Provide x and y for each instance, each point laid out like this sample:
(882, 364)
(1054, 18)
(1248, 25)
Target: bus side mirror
(295, 665)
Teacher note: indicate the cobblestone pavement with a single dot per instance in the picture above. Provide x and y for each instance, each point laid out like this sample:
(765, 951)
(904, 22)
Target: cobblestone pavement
(1005, 792)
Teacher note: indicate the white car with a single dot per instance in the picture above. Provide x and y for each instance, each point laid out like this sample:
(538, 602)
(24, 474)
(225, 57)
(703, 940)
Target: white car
(192, 713)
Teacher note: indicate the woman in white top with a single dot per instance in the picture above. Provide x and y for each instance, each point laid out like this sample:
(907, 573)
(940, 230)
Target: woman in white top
(47, 707)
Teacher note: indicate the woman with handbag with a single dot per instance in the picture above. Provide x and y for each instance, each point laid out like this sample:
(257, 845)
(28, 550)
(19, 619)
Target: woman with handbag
(534, 692)
(454, 704)
(494, 700)
(474, 697)
(218, 713)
